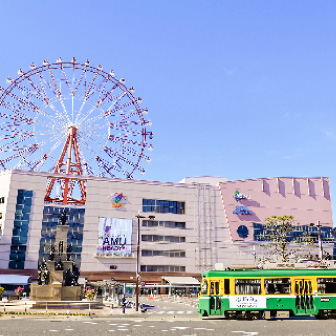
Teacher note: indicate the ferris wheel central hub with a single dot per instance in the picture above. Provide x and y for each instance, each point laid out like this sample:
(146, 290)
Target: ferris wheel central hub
(72, 130)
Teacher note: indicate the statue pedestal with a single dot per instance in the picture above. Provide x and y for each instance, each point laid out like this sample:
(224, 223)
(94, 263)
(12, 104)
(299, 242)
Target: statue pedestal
(57, 284)
(55, 292)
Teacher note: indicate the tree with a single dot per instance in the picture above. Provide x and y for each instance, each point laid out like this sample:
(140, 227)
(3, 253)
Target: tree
(277, 230)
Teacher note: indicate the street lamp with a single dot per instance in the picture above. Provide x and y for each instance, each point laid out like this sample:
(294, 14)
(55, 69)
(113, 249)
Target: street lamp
(137, 276)
(318, 225)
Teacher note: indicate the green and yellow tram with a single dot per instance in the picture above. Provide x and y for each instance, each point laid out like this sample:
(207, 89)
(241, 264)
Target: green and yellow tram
(268, 293)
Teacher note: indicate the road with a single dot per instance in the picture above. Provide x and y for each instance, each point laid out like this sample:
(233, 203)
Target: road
(169, 327)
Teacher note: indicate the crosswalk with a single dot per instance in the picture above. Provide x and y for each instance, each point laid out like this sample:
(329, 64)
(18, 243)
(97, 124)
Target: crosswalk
(172, 312)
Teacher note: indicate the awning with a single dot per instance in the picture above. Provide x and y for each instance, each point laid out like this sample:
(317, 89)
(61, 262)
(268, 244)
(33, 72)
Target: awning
(181, 281)
(13, 279)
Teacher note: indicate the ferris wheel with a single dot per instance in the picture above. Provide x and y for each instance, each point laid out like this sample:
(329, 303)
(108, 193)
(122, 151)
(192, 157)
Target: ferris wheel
(72, 118)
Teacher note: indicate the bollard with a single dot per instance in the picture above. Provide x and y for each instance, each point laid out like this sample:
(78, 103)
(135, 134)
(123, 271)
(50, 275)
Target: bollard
(68, 310)
(46, 307)
(123, 309)
(111, 308)
(25, 307)
(4, 307)
(89, 309)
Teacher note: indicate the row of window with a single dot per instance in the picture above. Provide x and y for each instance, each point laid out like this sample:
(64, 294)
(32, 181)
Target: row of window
(171, 253)
(20, 230)
(162, 268)
(271, 286)
(163, 206)
(157, 238)
(169, 224)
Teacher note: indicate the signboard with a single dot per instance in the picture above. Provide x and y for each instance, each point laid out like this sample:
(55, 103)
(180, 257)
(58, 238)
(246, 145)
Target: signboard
(246, 301)
(117, 200)
(114, 236)
(242, 210)
(238, 196)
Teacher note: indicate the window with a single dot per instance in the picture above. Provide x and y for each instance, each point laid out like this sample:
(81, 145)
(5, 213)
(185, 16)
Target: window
(20, 230)
(163, 206)
(169, 224)
(326, 285)
(204, 288)
(277, 286)
(227, 286)
(157, 238)
(248, 286)
(168, 253)
(162, 268)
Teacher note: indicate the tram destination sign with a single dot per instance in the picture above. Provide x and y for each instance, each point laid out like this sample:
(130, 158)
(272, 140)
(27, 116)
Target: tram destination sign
(246, 301)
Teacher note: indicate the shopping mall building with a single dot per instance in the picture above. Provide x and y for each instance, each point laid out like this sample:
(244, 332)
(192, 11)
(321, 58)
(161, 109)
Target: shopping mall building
(198, 222)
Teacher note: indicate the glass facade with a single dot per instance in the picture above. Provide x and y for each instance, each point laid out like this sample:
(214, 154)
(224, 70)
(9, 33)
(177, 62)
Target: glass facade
(157, 238)
(17, 255)
(75, 220)
(168, 253)
(163, 206)
(162, 268)
(299, 233)
(169, 224)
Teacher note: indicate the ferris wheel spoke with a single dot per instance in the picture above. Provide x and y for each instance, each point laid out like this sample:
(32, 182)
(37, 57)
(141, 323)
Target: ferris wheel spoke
(12, 145)
(42, 87)
(115, 154)
(59, 94)
(22, 104)
(91, 85)
(52, 139)
(28, 94)
(79, 81)
(101, 90)
(100, 102)
(23, 151)
(115, 102)
(67, 81)
(109, 168)
(89, 139)
(118, 108)
(126, 140)
(40, 93)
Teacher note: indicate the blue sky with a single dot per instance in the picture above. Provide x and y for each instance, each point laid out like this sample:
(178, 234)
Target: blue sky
(241, 89)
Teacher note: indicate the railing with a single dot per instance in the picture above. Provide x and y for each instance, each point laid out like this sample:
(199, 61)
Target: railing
(49, 307)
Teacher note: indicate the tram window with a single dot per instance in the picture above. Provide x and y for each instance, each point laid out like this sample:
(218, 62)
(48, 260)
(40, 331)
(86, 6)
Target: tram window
(217, 288)
(204, 290)
(212, 288)
(326, 285)
(248, 286)
(227, 286)
(277, 286)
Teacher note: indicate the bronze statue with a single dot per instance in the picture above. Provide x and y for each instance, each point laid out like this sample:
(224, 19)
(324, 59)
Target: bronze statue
(51, 252)
(68, 252)
(63, 218)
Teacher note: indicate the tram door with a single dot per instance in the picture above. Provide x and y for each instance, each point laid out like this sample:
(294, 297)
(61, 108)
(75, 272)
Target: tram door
(215, 299)
(304, 301)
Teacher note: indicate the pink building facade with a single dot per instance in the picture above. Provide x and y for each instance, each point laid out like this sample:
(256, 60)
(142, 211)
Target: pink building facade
(246, 202)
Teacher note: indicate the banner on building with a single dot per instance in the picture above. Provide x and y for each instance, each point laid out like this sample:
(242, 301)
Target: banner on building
(115, 236)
